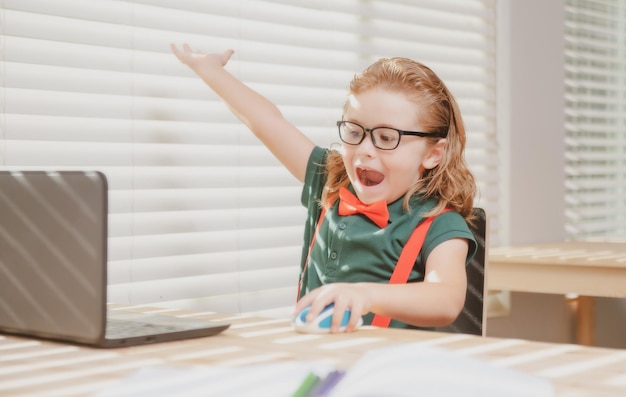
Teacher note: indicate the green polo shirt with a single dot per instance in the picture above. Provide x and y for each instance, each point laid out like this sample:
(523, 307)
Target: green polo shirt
(353, 249)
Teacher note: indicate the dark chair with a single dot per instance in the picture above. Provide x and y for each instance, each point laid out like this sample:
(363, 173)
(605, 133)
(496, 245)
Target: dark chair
(471, 319)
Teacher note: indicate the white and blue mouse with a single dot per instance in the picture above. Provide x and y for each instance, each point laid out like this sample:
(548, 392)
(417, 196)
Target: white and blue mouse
(321, 324)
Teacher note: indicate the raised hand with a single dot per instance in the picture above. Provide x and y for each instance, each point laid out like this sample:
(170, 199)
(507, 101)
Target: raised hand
(197, 59)
(283, 139)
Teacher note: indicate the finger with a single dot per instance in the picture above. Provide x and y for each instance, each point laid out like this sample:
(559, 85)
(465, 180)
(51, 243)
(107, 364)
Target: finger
(307, 300)
(355, 315)
(226, 56)
(316, 308)
(302, 303)
(189, 52)
(175, 50)
(181, 56)
(320, 302)
(338, 315)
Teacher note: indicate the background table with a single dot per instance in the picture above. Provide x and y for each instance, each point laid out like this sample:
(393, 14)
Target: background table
(588, 269)
(35, 368)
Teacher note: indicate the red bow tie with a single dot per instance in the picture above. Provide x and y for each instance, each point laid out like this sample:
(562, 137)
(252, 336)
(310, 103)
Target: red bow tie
(349, 204)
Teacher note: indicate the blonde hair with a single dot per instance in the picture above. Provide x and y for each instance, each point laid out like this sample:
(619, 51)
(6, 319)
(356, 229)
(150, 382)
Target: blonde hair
(451, 183)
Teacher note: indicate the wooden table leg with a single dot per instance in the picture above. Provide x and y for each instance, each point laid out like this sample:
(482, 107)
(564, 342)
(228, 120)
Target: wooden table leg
(585, 321)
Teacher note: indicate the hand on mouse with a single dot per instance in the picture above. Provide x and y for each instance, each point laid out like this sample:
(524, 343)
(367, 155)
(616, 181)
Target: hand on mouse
(322, 323)
(351, 297)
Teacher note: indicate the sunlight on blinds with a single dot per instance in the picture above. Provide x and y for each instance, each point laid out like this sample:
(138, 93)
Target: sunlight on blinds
(201, 214)
(596, 118)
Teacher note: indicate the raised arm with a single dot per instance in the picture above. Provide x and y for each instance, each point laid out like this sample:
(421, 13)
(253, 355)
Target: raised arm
(290, 146)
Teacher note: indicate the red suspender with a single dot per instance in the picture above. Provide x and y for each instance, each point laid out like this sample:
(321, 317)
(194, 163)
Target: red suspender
(308, 256)
(407, 259)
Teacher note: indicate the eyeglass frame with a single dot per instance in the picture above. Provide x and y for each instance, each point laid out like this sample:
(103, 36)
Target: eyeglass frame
(400, 133)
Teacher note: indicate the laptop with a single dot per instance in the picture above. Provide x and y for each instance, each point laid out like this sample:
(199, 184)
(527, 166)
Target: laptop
(53, 266)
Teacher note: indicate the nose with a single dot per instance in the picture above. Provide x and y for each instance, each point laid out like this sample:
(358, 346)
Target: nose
(367, 145)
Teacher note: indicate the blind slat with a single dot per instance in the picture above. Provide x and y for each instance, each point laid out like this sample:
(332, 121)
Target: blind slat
(201, 215)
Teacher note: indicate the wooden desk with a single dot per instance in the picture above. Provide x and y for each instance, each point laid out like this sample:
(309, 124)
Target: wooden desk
(36, 368)
(588, 269)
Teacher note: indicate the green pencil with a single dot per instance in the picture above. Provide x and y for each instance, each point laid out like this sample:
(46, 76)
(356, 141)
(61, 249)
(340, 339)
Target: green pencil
(307, 385)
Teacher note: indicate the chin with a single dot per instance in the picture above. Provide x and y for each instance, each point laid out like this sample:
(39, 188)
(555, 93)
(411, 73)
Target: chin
(370, 194)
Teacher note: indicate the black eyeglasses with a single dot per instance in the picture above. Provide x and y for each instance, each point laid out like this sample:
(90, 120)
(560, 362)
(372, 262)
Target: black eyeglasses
(385, 138)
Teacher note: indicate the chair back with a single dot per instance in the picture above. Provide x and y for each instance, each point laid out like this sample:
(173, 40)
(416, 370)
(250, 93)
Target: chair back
(472, 318)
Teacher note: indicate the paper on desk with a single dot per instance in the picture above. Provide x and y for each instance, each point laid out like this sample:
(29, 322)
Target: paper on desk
(399, 371)
(275, 379)
(417, 370)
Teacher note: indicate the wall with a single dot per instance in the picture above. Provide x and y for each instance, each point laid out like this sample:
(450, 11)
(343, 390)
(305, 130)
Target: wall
(532, 128)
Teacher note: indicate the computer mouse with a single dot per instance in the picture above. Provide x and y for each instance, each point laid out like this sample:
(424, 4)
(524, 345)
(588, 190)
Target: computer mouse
(321, 324)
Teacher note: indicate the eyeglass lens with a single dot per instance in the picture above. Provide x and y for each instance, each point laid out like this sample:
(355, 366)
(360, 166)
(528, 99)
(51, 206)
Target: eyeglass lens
(383, 138)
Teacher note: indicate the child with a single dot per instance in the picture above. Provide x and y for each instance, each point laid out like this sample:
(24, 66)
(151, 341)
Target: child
(402, 152)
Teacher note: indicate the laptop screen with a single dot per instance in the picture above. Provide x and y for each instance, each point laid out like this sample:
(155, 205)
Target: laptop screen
(53, 235)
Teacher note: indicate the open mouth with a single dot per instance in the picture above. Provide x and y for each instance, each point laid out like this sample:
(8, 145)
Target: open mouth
(369, 177)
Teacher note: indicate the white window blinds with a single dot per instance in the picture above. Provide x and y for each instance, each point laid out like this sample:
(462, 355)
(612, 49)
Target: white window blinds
(596, 117)
(201, 215)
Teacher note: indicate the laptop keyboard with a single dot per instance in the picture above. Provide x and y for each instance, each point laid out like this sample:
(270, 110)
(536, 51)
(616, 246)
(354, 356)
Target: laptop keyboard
(117, 328)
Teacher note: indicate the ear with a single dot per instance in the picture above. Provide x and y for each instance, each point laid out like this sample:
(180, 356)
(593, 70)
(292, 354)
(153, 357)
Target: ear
(435, 154)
